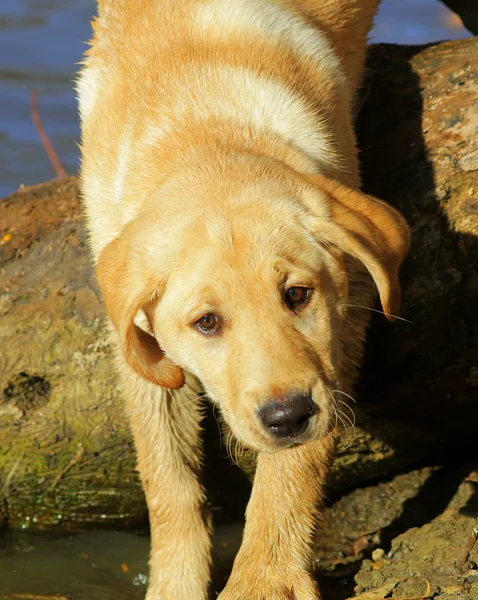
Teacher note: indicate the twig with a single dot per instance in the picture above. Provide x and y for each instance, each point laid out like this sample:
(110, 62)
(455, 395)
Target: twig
(10, 475)
(72, 463)
(34, 597)
(424, 597)
(52, 155)
(384, 590)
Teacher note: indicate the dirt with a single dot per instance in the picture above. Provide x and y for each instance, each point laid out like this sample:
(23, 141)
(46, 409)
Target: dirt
(442, 552)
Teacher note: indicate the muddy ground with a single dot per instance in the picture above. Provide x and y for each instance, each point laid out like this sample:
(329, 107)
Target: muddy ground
(413, 536)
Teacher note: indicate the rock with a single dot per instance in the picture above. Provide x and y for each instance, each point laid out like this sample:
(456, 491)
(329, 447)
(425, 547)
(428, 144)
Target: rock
(359, 527)
(359, 521)
(442, 554)
(66, 455)
(378, 554)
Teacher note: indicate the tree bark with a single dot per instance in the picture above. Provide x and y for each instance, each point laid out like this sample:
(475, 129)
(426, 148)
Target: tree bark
(66, 455)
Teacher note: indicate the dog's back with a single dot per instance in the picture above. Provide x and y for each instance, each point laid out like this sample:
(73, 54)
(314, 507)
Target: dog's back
(161, 75)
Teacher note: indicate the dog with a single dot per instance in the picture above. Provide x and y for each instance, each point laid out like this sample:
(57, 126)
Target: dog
(235, 253)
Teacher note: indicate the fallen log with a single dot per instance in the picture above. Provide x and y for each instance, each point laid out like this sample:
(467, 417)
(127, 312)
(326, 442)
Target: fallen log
(66, 455)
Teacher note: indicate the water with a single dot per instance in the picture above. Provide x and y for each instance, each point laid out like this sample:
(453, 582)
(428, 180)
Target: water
(98, 565)
(41, 42)
(101, 565)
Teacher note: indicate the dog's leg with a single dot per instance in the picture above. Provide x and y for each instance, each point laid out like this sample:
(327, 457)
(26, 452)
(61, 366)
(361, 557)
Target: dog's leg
(275, 559)
(166, 428)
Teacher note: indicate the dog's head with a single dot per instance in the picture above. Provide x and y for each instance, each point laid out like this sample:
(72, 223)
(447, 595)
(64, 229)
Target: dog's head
(247, 290)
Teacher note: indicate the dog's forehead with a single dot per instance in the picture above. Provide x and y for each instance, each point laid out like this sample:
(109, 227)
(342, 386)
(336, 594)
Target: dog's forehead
(258, 233)
(245, 223)
(238, 251)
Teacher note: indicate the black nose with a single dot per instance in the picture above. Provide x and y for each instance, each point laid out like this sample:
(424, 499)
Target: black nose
(288, 417)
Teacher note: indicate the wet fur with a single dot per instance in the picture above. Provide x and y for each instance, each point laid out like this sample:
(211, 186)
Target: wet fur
(216, 135)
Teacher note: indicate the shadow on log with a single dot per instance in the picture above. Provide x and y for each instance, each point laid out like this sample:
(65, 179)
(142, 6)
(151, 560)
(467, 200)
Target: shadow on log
(66, 456)
(418, 134)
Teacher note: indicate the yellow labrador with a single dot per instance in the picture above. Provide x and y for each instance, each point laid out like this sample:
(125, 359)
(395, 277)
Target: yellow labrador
(221, 187)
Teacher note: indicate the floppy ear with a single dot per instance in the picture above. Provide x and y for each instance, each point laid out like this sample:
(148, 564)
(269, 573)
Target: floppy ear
(369, 230)
(121, 276)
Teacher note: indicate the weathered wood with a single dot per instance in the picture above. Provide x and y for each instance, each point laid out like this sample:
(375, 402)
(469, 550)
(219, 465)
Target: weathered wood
(65, 451)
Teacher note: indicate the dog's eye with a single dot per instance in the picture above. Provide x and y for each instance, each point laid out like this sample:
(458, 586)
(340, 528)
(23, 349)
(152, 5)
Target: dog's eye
(296, 297)
(208, 323)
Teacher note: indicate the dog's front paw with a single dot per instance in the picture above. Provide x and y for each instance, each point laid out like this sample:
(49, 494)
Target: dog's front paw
(278, 586)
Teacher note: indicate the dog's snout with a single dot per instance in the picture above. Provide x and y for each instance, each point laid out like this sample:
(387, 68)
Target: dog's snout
(287, 417)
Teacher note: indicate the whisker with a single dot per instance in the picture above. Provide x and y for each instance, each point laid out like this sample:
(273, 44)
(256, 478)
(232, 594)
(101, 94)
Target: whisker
(336, 416)
(231, 451)
(344, 424)
(218, 426)
(345, 420)
(336, 412)
(239, 450)
(346, 417)
(350, 409)
(236, 452)
(352, 426)
(345, 394)
(379, 311)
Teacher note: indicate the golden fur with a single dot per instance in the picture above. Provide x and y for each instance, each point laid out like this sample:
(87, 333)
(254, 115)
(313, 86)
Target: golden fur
(220, 171)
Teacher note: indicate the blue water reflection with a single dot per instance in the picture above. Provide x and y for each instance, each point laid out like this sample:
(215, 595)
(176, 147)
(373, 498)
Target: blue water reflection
(416, 22)
(42, 41)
